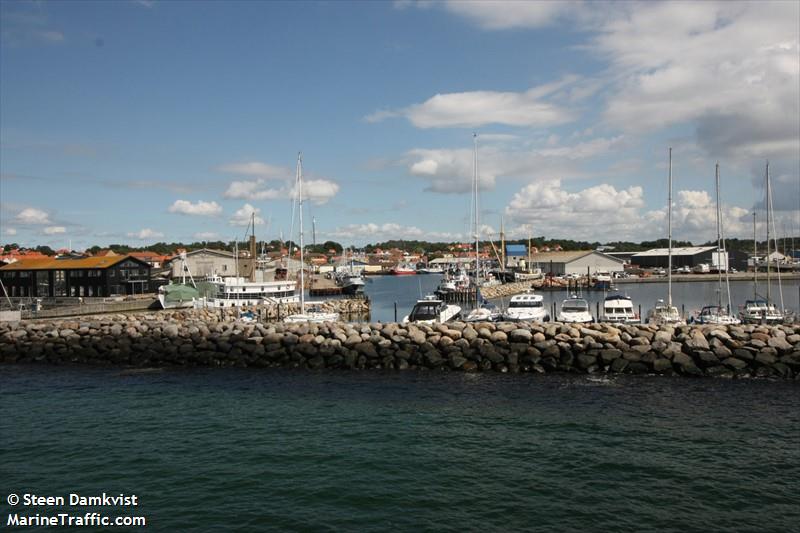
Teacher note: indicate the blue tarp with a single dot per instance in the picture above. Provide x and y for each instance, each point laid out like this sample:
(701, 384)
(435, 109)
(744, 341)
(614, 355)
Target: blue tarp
(516, 250)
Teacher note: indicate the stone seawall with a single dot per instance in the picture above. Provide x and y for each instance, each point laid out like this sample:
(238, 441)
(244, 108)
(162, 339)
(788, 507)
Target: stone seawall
(191, 338)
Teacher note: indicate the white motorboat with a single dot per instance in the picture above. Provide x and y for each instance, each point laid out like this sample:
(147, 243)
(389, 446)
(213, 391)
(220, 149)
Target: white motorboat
(575, 310)
(304, 315)
(458, 281)
(527, 307)
(618, 309)
(485, 312)
(432, 310)
(430, 270)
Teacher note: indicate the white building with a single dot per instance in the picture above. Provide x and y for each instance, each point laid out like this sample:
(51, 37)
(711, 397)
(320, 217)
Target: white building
(562, 263)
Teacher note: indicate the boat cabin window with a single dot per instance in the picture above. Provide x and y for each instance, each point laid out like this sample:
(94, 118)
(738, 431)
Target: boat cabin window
(425, 311)
(575, 306)
(525, 303)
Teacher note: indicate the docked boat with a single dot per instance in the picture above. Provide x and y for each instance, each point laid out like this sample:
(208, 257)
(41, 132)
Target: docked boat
(430, 270)
(527, 307)
(313, 314)
(618, 309)
(432, 310)
(351, 284)
(715, 314)
(760, 312)
(403, 270)
(234, 291)
(664, 314)
(450, 283)
(575, 310)
(485, 312)
(182, 295)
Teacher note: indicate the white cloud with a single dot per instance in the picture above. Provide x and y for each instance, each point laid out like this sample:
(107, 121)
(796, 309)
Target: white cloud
(145, 234)
(316, 189)
(451, 171)
(497, 14)
(10, 231)
(206, 236)
(186, 207)
(32, 216)
(243, 216)
(478, 108)
(54, 230)
(376, 232)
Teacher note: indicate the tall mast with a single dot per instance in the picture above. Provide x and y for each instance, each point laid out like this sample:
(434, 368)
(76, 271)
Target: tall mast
(719, 242)
(299, 185)
(766, 201)
(477, 230)
(669, 233)
(755, 261)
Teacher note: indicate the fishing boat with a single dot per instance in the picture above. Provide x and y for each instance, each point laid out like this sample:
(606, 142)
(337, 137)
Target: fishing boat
(454, 282)
(717, 314)
(432, 310)
(618, 309)
(314, 314)
(575, 310)
(664, 313)
(526, 307)
(403, 269)
(351, 284)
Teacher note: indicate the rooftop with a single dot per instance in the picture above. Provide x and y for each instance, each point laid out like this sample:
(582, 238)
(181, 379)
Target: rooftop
(51, 263)
(693, 250)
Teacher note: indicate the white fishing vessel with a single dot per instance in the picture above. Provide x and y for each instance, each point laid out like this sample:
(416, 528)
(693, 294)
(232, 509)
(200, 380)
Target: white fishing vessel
(664, 313)
(234, 291)
(575, 310)
(618, 309)
(432, 310)
(526, 307)
(313, 314)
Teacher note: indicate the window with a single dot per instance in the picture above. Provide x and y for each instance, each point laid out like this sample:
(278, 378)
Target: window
(42, 283)
(59, 283)
(90, 290)
(112, 273)
(81, 291)
(25, 274)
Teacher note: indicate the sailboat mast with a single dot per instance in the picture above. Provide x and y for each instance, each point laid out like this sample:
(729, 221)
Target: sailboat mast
(300, 205)
(669, 234)
(755, 262)
(719, 241)
(766, 201)
(477, 231)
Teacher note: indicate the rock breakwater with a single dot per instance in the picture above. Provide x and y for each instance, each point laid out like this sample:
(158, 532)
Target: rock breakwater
(210, 338)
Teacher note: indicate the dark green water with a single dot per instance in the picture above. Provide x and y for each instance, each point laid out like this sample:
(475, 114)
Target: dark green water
(249, 450)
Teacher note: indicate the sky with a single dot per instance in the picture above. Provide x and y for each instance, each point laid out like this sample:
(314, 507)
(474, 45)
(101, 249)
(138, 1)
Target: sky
(144, 121)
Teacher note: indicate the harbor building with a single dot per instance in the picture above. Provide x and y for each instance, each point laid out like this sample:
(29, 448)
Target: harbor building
(690, 257)
(206, 262)
(76, 277)
(578, 262)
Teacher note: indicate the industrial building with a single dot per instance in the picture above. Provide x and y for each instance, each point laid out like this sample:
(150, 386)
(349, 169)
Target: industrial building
(76, 277)
(690, 257)
(578, 262)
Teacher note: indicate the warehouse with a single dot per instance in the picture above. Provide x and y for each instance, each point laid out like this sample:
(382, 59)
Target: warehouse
(563, 263)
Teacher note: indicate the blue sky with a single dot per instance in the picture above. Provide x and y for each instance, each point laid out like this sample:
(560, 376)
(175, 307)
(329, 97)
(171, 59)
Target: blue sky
(144, 121)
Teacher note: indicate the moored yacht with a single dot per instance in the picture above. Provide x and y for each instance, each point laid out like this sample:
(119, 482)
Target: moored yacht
(715, 314)
(432, 310)
(760, 312)
(403, 270)
(664, 314)
(527, 307)
(575, 310)
(618, 309)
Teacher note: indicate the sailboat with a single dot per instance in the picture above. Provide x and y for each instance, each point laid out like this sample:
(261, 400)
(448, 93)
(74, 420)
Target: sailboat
(303, 315)
(716, 314)
(484, 311)
(664, 313)
(761, 310)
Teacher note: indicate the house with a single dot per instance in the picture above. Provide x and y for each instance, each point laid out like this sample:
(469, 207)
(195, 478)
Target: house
(578, 262)
(76, 277)
(516, 255)
(154, 259)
